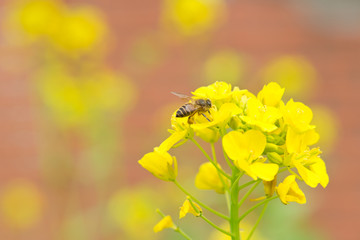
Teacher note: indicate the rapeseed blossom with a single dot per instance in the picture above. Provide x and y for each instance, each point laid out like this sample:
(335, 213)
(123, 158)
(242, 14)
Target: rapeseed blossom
(262, 137)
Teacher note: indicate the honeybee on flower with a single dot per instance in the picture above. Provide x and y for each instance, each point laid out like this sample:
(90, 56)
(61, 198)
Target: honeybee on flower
(262, 137)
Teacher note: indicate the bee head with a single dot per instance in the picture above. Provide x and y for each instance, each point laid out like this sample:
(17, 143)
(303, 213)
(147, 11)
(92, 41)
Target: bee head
(208, 103)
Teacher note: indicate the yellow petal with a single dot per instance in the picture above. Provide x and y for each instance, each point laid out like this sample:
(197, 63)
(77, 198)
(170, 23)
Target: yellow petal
(187, 207)
(298, 116)
(308, 176)
(265, 171)
(271, 94)
(159, 163)
(319, 169)
(289, 191)
(249, 145)
(298, 142)
(166, 222)
(245, 166)
(172, 140)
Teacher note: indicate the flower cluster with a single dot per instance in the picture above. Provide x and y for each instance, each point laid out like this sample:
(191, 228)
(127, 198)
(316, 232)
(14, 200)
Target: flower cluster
(262, 136)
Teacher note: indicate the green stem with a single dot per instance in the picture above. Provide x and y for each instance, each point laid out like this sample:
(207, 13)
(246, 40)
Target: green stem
(214, 225)
(200, 203)
(256, 206)
(231, 165)
(247, 184)
(234, 209)
(210, 159)
(213, 152)
(248, 193)
(258, 221)
(200, 214)
(179, 230)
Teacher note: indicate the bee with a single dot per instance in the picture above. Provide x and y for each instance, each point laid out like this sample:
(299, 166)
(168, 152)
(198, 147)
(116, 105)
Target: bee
(199, 106)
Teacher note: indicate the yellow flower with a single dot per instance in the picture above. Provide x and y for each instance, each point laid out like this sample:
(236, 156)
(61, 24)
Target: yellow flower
(218, 93)
(21, 204)
(166, 222)
(271, 94)
(298, 116)
(289, 191)
(245, 150)
(187, 207)
(311, 168)
(192, 17)
(298, 142)
(261, 116)
(208, 178)
(160, 164)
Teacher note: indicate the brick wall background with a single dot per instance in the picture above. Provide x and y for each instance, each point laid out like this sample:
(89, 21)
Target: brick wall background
(327, 34)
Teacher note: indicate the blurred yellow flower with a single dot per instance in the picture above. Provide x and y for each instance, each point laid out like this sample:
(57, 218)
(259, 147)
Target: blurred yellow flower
(81, 30)
(327, 126)
(289, 191)
(21, 204)
(166, 222)
(192, 17)
(224, 66)
(128, 211)
(208, 178)
(295, 73)
(36, 18)
(160, 164)
(78, 100)
(245, 150)
(187, 207)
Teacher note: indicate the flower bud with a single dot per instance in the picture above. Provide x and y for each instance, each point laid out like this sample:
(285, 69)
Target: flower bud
(188, 207)
(160, 164)
(274, 157)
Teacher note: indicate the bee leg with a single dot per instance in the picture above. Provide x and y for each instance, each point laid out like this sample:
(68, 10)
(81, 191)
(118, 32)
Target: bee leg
(190, 120)
(206, 117)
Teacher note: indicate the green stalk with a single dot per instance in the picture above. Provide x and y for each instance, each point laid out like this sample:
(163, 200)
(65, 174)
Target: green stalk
(258, 221)
(200, 203)
(256, 206)
(248, 193)
(210, 159)
(234, 209)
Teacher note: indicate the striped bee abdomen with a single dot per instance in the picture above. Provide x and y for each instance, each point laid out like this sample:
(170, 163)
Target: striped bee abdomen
(186, 110)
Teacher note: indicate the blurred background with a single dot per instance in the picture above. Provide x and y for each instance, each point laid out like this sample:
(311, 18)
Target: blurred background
(85, 93)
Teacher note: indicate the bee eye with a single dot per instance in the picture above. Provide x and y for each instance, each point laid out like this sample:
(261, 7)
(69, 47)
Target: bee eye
(208, 103)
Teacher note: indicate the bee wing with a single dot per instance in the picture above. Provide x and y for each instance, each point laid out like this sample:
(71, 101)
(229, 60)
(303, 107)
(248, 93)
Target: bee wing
(182, 96)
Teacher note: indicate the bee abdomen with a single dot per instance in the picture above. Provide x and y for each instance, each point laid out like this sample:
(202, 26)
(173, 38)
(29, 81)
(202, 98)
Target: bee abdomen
(184, 111)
